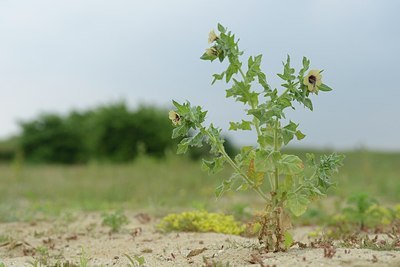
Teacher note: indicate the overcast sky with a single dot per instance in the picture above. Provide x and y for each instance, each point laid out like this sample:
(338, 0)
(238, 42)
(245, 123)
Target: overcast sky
(75, 54)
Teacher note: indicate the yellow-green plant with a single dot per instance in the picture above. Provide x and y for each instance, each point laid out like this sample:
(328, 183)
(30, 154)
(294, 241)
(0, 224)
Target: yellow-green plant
(279, 179)
(201, 221)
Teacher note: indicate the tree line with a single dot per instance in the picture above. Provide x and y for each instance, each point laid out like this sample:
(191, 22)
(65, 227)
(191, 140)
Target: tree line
(112, 133)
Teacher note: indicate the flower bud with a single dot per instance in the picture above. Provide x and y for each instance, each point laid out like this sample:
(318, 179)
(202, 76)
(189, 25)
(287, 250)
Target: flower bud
(212, 37)
(212, 52)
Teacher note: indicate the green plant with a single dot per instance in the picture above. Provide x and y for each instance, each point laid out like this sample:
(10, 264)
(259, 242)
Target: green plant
(83, 259)
(43, 255)
(201, 221)
(365, 211)
(135, 261)
(291, 185)
(115, 220)
(2, 264)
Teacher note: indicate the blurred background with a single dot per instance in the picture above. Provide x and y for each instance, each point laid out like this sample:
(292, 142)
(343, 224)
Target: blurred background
(86, 87)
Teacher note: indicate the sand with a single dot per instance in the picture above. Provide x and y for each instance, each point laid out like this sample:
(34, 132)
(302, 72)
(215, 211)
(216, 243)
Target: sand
(83, 237)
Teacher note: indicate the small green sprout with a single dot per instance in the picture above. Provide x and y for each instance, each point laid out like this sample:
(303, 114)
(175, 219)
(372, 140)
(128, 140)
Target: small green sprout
(283, 181)
(136, 261)
(83, 259)
(115, 220)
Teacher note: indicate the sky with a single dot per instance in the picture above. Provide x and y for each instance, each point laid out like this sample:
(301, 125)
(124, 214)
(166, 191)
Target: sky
(58, 56)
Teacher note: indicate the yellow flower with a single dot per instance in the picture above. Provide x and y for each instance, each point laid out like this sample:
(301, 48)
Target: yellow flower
(174, 117)
(212, 37)
(212, 52)
(313, 80)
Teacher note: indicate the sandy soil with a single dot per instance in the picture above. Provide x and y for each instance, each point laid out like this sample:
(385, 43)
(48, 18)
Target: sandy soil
(66, 239)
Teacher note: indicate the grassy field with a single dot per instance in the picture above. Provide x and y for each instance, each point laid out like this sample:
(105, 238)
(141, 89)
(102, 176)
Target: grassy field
(161, 186)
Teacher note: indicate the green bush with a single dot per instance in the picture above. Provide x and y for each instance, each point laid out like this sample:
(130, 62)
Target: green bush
(50, 138)
(8, 149)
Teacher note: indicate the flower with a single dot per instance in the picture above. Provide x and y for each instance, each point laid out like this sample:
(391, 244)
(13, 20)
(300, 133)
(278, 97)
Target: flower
(313, 80)
(212, 37)
(174, 117)
(212, 52)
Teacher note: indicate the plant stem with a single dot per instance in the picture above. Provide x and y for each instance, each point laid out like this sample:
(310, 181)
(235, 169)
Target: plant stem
(233, 164)
(284, 92)
(253, 106)
(276, 172)
(230, 161)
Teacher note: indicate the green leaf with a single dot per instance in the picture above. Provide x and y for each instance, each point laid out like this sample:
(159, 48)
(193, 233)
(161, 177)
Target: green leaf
(262, 79)
(181, 109)
(196, 140)
(297, 204)
(181, 130)
(256, 177)
(288, 132)
(221, 28)
(290, 165)
(183, 146)
(213, 166)
(306, 63)
(288, 240)
(206, 56)
(244, 125)
(324, 88)
(218, 77)
(287, 184)
(307, 102)
(300, 135)
(262, 162)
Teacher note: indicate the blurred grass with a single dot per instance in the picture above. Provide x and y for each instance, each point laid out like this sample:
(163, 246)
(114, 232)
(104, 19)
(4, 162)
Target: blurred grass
(160, 186)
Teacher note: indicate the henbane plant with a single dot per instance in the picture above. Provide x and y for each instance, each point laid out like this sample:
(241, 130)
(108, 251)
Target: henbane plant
(283, 181)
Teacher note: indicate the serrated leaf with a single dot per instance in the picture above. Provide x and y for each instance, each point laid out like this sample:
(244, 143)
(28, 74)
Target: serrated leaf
(183, 146)
(262, 163)
(181, 130)
(256, 177)
(182, 109)
(213, 166)
(300, 135)
(290, 165)
(306, 63)
(288, 132)
(244, 125)
(218, 77)
(297, 204)
(197, 140)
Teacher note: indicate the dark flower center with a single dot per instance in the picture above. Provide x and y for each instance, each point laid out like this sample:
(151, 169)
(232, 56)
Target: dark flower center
(177, 117)
(312, 79)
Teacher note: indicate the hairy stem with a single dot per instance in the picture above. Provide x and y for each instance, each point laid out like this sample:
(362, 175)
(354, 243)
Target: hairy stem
(234, 166)
(276, 172)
